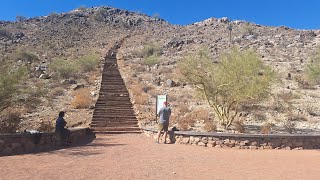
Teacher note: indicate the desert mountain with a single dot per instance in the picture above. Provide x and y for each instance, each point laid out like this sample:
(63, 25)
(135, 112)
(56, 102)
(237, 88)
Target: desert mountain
(39, 42)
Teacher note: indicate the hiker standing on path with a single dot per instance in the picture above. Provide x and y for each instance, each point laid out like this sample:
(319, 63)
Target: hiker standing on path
(164, 114)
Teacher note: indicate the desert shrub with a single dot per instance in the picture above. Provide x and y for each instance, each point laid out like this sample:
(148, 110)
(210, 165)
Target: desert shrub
(9, 121)
(248, 29)
(289, 126)
(88, 62)
(200, 114)
(151, 60)
(182, 110)
(9, 86)
(183, 126)
(27, 57)
(140, 97)
(150, 54)
(165, 70)
(210, 126)
(260, 115)
(46, 126)
(5, 33)
(311, 109)
(64, 69)
(82, 99)
(239, 77)
(185, 121)
(303, 82)
(57, 91)
(39, 90)
(20, 18)
(266, 128)
(296, 117)
(82, 8)
(156, 15)
(287, 97)
(100, 15)
(151, 50)
(280, 106)
(239, 126)
(313, 68)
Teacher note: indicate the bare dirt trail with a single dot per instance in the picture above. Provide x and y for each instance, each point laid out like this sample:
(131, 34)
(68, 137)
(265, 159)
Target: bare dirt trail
(133, 156)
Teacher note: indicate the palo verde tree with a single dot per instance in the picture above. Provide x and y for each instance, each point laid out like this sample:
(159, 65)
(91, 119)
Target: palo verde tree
(9, 85)
(238, 77)
(313, 68)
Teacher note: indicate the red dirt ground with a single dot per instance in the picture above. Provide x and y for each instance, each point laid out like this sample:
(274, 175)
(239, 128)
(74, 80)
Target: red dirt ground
(133, 156)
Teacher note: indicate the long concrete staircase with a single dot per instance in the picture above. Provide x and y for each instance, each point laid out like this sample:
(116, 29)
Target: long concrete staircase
(113, 111)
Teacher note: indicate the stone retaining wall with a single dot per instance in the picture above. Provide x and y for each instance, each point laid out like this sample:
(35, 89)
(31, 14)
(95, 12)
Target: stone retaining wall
(11, 144)
(241, 141)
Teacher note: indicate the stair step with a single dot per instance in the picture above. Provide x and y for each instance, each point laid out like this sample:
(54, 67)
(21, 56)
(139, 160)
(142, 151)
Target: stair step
(116, 128)
(113, 110)
(98, 115)
(102, 117)
(117, 132)
(106, 119)
(119, 109)
(114, 99)
(113, 125)
(114, 120)
(102, 114)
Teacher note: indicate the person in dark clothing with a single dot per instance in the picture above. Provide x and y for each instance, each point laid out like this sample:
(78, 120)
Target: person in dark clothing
(164, 114)
(61, 130)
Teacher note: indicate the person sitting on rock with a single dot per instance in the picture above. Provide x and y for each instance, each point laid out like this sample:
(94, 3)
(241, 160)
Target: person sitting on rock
(61, 130)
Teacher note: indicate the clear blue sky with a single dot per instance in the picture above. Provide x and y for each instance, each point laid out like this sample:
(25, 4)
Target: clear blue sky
(301, 14)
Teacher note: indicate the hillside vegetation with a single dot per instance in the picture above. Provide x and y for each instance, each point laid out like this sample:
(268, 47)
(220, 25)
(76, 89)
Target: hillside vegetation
(54, 63)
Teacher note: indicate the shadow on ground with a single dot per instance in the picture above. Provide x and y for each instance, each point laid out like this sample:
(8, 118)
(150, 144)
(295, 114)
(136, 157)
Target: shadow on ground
(86, 148)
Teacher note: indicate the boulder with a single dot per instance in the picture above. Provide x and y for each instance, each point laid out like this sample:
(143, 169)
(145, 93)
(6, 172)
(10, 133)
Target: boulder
(44, 76)
(170, 83)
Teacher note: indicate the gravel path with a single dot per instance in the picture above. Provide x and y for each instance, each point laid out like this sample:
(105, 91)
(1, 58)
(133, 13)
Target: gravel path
(133, 156)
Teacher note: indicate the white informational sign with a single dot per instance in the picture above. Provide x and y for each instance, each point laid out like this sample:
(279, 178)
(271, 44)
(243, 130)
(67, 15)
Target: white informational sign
(160, 100)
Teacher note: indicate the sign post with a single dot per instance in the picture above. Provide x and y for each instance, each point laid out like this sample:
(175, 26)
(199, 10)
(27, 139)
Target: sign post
(159, 104)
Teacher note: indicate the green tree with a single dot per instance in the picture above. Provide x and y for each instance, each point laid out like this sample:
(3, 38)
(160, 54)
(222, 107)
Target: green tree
(239, 77)
(9, 86)
(313, 69)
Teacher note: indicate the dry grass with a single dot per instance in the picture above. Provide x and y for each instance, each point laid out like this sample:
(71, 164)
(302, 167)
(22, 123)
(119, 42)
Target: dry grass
(296, 117)
(185, 122)
(82, 99)
(286, 96)
(165, 70)
(92, 77)
(260, 115)
(200, 114)
(303, 83)
(311, 109)
(139, 95)
(289, 126)
(210, 126)
(10, 120)
(46, 126)
(239, 126)
(57, 91)
(182, 109)
(266, 128)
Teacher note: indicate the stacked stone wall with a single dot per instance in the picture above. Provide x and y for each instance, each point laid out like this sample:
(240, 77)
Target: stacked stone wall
(11, 144)
(241, 141)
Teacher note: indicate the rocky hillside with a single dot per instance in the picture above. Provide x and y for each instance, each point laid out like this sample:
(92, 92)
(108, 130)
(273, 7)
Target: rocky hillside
(75, 34)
